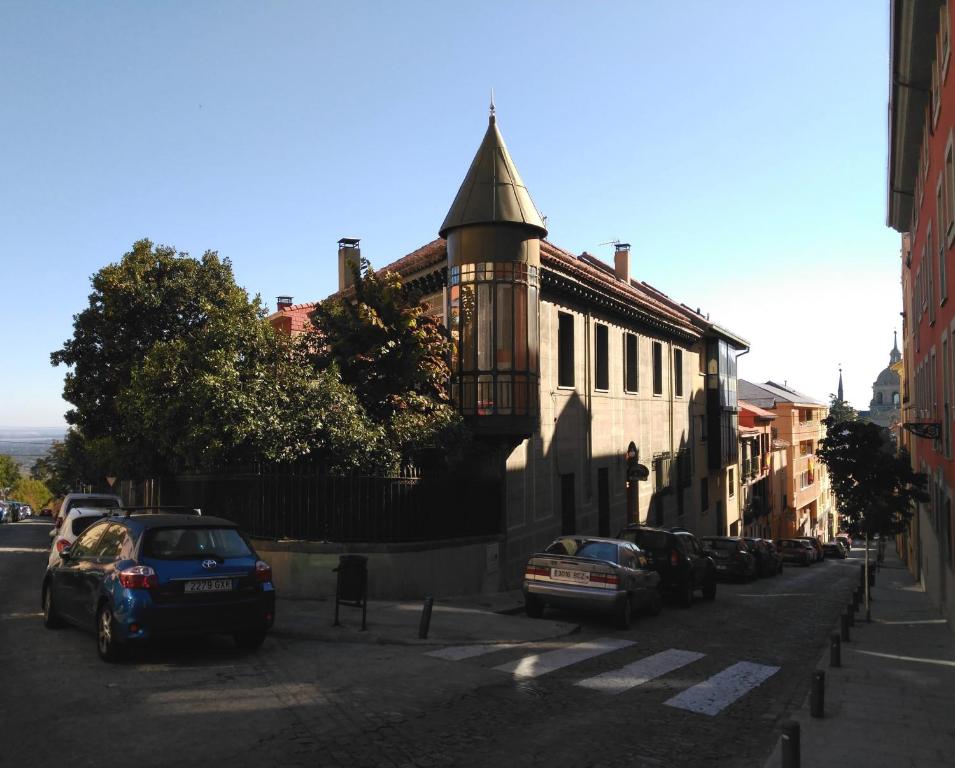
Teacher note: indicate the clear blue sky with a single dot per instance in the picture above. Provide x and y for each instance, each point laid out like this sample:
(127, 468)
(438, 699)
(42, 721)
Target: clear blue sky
(739, 146)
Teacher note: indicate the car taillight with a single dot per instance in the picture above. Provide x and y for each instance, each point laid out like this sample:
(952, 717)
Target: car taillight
(138, 577)
(605, 578)
(61, 544)
(536, 570)
(674, 558)
(263, 571)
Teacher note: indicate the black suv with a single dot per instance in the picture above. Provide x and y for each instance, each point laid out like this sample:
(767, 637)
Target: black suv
(679, 559)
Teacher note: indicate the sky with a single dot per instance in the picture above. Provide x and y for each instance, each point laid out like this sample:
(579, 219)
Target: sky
(740, 147)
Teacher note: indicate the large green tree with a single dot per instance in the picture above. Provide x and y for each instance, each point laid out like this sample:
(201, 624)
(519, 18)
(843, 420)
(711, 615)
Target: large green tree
(840, 410)
(32, 492)
(9, 471)
(395, 357)
(874, 485)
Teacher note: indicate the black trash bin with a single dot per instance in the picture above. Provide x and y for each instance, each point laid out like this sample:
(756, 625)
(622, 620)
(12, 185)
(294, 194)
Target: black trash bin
(352, 584)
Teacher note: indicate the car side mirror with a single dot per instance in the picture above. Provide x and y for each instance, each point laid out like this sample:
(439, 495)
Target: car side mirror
(65, 553)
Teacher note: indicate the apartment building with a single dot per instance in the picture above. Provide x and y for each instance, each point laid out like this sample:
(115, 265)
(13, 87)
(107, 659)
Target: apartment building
(921, 206)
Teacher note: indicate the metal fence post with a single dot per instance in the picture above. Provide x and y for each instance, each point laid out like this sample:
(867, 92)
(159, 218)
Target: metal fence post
(790, 744)
(817, 700)
(835, 650)
(425, 618)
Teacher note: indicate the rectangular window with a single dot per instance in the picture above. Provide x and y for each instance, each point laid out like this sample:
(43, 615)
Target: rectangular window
(941, 213)
(930, 287)
(731, 481)
(601, 357)
(950, 189)
(703, 428)
(944, 40)
(565, 350)
(632, 360)
(678, 372)
(657, 368)
(704, 494)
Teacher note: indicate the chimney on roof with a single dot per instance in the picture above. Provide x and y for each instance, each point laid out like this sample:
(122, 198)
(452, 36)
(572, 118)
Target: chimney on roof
(621, 261)
(349, 258)
(283, 302)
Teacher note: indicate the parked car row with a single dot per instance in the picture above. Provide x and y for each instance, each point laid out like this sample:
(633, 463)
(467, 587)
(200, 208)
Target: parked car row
(134, 574)
(634, 570)
(13, 511)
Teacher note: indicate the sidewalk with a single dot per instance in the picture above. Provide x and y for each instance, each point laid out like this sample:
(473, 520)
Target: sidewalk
(892, 702)
(472, 619)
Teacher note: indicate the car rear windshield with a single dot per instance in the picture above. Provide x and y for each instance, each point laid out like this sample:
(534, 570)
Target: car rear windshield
(80, 524)
(94, 503)
(652, 540)
(729, 546)
(194, 543)
(599, 550)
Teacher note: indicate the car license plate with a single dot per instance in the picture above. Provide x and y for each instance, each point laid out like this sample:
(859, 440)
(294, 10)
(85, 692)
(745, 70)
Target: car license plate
(209, 585)
(564, 573)
(721, 567)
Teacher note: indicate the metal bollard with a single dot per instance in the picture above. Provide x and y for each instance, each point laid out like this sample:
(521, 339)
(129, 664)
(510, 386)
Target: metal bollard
(425, 617)
(835, 650)
(817, 698)
(790, 744)
(844, 627)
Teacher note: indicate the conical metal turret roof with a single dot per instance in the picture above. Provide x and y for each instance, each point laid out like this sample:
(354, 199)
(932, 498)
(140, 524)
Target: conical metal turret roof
(492, 191)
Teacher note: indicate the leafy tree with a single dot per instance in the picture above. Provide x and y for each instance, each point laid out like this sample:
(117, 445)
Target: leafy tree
(9, 471)
(32, 492)
(840, 410)
(875, 487)
(394, 356)
(77, 461)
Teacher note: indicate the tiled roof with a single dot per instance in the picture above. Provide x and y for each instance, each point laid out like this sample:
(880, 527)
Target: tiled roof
(293, 319)
(756, 410)
(769, 394)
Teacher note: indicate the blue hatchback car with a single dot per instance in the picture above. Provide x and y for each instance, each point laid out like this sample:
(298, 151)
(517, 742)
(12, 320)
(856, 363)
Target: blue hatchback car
(145, 575)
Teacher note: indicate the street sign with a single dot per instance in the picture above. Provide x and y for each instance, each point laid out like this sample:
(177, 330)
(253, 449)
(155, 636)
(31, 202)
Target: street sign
(110, 480)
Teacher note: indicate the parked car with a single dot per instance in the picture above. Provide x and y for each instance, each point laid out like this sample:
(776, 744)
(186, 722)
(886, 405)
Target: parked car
(797, 551)
(679, 559)
(816, 546)
(140, 576)
(846, 539)
(77, 520)
(582, 572)
(731, 555)
(835, 548)
(88, 500)
(46, 512)
(768, 561)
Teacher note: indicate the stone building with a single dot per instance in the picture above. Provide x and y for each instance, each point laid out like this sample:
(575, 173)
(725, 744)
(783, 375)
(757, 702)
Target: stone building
(572, 372)
(884, 408)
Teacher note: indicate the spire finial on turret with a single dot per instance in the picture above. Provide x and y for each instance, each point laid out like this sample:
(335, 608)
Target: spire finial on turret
(492, 118)
(839, 395)
(895, 355)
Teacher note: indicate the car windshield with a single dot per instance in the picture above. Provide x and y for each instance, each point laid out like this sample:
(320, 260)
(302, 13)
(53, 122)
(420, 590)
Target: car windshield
(80, 524)
(599, 550)
(652, 540)
(194, 543)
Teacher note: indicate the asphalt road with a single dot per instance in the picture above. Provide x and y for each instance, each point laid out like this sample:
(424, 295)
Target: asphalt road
(575, 701)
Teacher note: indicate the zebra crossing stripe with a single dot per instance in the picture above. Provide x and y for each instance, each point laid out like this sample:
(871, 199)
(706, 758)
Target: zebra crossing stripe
(539, 664)
(719, 691)
(459, 652)
(640, 672)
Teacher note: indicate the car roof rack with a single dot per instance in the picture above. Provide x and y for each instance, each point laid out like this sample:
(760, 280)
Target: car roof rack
(162, 509)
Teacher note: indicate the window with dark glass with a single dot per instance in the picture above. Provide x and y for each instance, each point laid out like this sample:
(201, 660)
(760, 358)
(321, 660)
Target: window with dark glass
(601, 357)
(565, 350)
(704, 495)
(631, 362)
(678, 372)
(657, 368)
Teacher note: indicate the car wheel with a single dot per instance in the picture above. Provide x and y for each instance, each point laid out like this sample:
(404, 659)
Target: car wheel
(51, 619)
(655, 603)
(533, 606)
(250, 640)
(109, 648)
(624, 614)
(686, 593)
(709, 591)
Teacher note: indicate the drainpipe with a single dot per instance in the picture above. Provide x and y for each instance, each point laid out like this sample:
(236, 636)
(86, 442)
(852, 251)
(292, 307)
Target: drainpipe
(588, 402)
(736, 479)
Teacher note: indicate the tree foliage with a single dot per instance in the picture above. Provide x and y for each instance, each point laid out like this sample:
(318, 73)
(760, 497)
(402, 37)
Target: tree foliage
(77, 460)
(395, 357)
(9, 471)
(840, 410)
(32, 492)
(875, 487)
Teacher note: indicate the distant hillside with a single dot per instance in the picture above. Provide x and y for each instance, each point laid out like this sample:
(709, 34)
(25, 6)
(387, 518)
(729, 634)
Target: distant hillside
(27, 444)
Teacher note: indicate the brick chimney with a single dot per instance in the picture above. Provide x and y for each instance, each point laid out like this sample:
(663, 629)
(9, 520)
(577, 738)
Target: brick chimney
(621, 261)
(283, 302)
(348, 253)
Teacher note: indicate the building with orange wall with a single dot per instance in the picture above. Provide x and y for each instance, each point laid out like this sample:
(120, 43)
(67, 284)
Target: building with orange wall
(921, 206)
(806, 505)
(762, 473)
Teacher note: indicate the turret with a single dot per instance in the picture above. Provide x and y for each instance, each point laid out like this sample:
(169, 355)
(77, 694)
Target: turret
(493, 232)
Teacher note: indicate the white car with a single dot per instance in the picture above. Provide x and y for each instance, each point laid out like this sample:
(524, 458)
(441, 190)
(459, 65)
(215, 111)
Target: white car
(88, 500)
(77, 520)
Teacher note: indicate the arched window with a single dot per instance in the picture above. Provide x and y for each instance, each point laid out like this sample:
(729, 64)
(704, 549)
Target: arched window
(878, 398)
(895, 398)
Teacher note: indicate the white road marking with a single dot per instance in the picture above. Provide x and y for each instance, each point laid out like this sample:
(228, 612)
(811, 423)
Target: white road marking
(719, 691)
(458, 652)
(940, 662)
(640, 672)
(23, 550)
(539, 664)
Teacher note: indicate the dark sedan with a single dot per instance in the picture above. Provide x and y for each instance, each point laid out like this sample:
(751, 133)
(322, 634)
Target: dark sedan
(796, 551)
(768, 560)
(732, 556)
(141, 576)
(678, 557)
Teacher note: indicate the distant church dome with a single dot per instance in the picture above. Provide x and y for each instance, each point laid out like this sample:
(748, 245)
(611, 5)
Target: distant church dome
(887, 376)
(884, 406)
